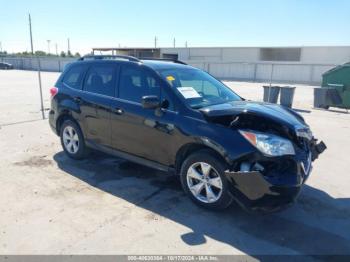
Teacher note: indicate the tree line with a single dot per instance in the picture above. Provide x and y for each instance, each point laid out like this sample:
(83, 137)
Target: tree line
(42, 53)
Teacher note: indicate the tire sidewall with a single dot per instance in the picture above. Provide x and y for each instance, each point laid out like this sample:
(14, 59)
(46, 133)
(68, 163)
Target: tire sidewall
(82, 148)
(219, 165)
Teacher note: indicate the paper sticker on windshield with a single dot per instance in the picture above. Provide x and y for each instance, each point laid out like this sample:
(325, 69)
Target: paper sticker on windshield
(188, 92)
(170, 78)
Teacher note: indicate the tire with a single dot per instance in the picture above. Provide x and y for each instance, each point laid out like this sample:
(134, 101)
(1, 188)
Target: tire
(72, 140)
(214, 180)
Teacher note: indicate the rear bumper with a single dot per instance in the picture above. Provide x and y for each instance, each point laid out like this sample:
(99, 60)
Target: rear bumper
(52, 121)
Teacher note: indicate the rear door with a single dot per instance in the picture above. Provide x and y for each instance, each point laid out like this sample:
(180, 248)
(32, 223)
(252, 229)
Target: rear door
(98, 93)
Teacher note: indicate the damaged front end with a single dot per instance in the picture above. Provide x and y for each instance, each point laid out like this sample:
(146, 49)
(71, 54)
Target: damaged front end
(272, 176)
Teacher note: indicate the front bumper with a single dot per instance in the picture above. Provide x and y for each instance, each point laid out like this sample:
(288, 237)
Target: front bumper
(254, 192)
(276, 187)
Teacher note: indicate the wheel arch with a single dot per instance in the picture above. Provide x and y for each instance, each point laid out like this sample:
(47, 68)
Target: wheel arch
(191, 148)
(65, 115)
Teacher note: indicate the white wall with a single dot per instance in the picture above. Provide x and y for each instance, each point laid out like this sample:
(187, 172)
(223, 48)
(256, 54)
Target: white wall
(282, 72)
(325, 55)
(309, 55)
(184, 53)
(51, 64)
(206, 54)
(240, 54)
(244, 63)
(232, 63)
(232, 70)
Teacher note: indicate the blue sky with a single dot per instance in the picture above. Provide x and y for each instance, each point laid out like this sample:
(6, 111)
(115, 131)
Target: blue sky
(200, 22)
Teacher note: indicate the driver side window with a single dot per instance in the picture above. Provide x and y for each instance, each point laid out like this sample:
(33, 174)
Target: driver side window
(135, 82)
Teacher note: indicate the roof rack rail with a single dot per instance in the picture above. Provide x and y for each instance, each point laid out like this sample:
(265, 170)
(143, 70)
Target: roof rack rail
(165, 59)
(109, 57)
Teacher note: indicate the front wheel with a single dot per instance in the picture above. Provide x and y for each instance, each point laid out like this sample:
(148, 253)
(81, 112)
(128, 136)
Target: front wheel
(72, 140)
(203, 179)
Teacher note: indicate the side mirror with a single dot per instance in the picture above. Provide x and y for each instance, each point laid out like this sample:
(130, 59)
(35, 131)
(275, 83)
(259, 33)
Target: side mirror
(150, 102)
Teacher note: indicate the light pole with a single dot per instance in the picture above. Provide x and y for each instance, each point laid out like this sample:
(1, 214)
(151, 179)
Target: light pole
(48, 46)
(31, 36)
(68, 45)
(39, 74)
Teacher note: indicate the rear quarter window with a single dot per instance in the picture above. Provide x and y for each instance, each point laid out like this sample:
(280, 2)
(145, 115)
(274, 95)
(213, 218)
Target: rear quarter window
(74, 76)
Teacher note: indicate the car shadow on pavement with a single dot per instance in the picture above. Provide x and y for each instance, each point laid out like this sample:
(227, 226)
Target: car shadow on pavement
(317, 224)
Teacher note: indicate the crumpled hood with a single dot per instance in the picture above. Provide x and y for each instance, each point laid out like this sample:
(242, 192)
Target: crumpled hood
(273, 112)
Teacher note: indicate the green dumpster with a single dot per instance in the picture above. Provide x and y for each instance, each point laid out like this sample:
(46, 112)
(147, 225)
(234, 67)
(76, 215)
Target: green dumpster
(338, 79)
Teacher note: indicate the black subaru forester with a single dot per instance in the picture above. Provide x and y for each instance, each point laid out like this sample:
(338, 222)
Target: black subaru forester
(176, 118)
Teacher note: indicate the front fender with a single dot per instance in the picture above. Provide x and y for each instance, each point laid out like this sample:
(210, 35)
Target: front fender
(213, 145)
(228, 142)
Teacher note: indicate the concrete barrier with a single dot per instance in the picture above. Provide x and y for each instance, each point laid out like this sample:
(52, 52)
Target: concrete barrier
(48, 64)
(265, 72)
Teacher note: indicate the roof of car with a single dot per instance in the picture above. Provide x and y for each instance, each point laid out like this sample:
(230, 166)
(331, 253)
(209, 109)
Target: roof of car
(157, 65)
(154, 63)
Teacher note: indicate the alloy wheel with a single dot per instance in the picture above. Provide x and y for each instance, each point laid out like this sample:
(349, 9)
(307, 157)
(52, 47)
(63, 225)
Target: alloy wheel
(71, 139)
(204, 182)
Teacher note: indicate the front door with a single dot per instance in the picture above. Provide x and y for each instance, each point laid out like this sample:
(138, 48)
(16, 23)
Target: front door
(135, 130)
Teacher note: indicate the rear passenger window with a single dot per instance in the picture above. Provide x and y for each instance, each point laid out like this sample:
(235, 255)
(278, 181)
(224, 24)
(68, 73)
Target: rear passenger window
(100, 80)
(136, 83)
(74, 76)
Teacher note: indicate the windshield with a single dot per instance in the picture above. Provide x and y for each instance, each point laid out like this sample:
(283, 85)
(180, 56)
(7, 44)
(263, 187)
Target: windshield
(198, 88)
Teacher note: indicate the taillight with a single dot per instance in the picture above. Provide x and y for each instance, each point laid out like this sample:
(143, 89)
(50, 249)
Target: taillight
(53, 91)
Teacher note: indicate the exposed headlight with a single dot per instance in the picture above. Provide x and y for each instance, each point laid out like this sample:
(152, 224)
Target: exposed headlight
(268, 144)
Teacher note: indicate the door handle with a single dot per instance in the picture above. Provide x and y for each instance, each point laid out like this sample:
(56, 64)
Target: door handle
(119, 111)
(77, 100)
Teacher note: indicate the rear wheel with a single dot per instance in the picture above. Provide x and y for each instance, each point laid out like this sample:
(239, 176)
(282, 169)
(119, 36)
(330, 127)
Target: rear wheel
(203, 179)
(72, 140)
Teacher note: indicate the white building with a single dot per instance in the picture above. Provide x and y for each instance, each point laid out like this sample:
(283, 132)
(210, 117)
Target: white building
(282, 64)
